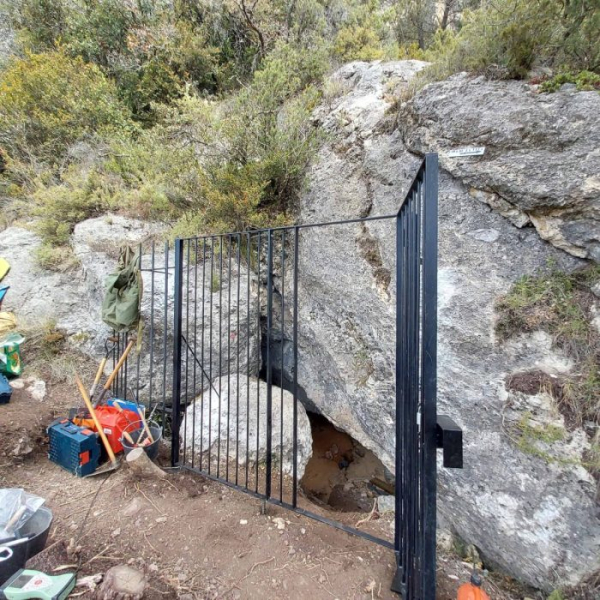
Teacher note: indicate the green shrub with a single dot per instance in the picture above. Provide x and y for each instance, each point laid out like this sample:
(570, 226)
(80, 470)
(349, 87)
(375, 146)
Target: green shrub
(99, 31)
(584, 80)
(41, 23)
(48, 101)
(77, 197)
(411, 52)
(508, 40)
(356, 42)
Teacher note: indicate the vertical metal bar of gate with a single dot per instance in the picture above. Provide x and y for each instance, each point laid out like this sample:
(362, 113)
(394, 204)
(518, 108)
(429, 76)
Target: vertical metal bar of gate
(177, 324)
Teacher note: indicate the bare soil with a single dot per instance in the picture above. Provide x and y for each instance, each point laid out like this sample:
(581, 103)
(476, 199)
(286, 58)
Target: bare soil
(192, 537)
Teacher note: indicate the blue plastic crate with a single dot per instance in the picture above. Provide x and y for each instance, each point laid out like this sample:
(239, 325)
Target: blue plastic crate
(5, 390)
(74, 448)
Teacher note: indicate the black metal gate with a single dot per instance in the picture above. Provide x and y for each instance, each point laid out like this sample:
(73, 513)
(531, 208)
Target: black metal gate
(235, 415)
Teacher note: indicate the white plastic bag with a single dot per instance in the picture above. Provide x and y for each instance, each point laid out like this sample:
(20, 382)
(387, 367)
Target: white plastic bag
(16, 508)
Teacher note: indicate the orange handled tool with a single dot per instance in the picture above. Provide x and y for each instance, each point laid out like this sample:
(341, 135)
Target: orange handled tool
(113, 459)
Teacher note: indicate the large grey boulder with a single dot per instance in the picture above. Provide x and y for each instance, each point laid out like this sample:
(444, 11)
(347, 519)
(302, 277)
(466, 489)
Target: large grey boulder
(229, 420)
(537, 519)
(542, 159)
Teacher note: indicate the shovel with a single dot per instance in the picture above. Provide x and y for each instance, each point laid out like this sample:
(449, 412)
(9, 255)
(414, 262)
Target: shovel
(114, 463)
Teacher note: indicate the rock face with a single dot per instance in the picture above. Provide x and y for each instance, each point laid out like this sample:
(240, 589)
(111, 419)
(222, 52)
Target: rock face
(537, 519)
(542, 159)
(72, 302)
(234, 417)
(38, 296)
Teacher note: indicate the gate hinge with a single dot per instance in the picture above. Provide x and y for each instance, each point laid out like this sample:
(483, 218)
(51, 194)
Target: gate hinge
(449, 437)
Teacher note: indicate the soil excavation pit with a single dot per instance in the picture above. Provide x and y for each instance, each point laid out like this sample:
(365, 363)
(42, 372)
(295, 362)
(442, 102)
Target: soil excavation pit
(340, 471)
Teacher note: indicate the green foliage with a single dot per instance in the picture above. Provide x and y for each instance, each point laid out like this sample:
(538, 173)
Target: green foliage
(55, 258)
(98, 31)
(48, 101)
(508, 40)
(416, 21)
(411, 51)
(357, 43)
(556, 595)
(42, 23)
(584, 80)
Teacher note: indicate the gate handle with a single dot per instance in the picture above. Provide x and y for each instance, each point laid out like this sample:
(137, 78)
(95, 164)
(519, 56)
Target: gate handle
(450, 439)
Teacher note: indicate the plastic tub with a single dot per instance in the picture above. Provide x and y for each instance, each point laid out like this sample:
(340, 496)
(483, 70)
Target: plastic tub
(135, 430)
(39, 525)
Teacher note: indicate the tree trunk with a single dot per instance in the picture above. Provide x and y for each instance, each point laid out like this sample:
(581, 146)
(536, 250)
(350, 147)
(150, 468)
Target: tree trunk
(142, 467)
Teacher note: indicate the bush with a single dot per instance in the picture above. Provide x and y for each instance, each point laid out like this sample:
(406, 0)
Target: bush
(79, 196)
(584, 80)
(48, 101)
(507, 41)
(357, 42)
(42, 23)
(98, 31)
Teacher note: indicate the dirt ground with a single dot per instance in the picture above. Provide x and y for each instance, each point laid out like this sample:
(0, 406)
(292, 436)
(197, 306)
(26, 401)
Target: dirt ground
(193, 538)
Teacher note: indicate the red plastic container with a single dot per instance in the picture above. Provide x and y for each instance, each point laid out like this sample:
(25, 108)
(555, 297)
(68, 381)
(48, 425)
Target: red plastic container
(114, 422)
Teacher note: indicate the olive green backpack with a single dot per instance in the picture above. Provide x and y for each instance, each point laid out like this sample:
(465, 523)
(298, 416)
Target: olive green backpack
(123, 299)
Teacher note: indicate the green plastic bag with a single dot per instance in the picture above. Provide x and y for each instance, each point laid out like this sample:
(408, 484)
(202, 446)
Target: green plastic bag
(122, 302)
(10, 355)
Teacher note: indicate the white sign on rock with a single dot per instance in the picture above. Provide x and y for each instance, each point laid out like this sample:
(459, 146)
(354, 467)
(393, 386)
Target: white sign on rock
(467, 151)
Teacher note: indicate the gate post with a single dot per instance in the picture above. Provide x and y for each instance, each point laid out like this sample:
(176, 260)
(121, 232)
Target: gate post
(177, 323)
(429, 375)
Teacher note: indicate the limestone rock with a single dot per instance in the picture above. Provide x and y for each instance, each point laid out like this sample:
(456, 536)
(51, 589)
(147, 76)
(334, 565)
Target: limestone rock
(238, 424)
(122, 583)
(38, 296)
(537, 520)
(541, 161)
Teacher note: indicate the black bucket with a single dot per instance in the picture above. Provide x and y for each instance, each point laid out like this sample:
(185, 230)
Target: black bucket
(39, 526)
(135, 431)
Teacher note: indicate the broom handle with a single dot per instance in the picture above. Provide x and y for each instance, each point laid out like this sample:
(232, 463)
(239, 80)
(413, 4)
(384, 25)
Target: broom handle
(92, 412)
(146, 428)
(112, 376)
(98, 375)
(123, 358)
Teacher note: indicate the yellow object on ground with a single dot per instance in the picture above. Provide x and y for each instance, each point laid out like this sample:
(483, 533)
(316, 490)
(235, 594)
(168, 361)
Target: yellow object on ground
(4, 268)
(8, 322)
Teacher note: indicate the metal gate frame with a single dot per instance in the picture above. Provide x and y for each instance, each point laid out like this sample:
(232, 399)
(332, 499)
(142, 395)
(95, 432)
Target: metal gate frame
(419, 430)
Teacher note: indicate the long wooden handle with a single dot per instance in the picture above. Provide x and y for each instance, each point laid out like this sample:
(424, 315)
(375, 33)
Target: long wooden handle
(92, 412)
(117, 405)
(129, 439)
(98, 375)
(147, 429)
(118, 366)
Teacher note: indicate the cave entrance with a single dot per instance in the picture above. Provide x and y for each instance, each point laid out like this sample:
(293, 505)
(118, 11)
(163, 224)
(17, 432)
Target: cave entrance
(341, 473)
(232, 312)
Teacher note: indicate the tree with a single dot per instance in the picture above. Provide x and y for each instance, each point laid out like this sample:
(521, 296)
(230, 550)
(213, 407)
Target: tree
(417, 21)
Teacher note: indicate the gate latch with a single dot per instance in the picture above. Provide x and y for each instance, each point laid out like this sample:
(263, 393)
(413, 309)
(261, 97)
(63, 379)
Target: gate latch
(450, 439)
